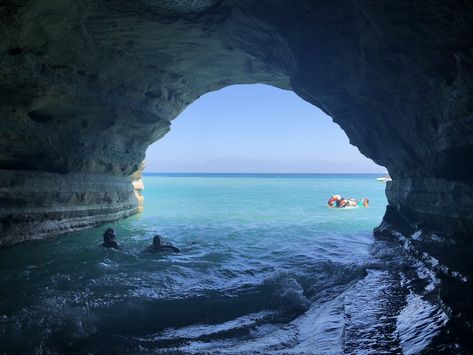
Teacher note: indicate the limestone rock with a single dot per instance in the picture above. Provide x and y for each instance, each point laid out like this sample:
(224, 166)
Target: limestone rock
(138, 186)
(40, 204)
(87, 85)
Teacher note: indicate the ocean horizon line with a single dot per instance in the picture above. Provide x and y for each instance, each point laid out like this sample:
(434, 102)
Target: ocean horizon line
(260, 173)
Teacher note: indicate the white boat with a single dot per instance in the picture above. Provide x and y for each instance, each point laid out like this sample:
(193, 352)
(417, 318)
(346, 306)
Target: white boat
(384, 179)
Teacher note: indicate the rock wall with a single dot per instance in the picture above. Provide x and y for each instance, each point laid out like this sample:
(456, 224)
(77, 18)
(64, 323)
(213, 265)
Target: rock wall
(40, 204)
(87, 85)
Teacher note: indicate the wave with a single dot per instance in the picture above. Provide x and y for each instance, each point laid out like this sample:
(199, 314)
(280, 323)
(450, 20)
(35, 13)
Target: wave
(210, 303)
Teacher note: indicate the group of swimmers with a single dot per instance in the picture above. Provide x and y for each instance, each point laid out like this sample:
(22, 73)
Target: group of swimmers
(337, 201)
(159, 245)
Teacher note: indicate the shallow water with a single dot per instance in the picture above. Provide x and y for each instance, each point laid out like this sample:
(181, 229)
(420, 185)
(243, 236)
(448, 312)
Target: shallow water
(265, 267)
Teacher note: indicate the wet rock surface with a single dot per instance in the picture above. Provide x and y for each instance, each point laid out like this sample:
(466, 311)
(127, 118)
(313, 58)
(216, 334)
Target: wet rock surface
(39, 204)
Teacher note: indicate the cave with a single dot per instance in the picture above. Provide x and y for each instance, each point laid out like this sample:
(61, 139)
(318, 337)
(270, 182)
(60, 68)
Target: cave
(87, 86)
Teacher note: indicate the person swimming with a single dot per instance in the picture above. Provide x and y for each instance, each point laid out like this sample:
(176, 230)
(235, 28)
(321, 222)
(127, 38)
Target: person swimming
(334, 201)
(363, 202)
(351, 202)
(159, 246)
(109, 239)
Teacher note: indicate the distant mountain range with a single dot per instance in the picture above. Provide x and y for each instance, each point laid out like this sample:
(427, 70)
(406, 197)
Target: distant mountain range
(245, 165)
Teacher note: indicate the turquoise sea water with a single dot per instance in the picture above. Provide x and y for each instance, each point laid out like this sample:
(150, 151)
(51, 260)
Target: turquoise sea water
(265, 267)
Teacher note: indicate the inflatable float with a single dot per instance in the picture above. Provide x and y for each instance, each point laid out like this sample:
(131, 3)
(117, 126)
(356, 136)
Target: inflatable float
(337, 201)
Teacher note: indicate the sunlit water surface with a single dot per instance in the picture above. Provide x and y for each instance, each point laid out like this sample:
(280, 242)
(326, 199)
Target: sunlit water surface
(265, 267)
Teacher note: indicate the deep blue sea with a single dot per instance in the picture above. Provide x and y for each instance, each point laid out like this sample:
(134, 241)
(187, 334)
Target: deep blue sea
(265, 267)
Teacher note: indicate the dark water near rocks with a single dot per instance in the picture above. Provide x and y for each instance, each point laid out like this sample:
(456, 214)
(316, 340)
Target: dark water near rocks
(265, 267)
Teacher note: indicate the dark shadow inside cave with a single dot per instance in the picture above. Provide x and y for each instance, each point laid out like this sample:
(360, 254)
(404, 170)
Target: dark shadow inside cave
(87, 86)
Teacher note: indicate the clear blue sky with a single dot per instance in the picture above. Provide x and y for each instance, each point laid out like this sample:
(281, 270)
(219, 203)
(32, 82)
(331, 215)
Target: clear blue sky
(255, 128)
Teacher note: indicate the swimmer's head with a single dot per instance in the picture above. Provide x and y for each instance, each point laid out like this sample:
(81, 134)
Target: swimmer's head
(109, 235)
(157, 240)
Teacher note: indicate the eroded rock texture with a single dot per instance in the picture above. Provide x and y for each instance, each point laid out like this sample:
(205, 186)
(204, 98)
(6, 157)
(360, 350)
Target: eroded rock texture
(87, 85)
(138, 185)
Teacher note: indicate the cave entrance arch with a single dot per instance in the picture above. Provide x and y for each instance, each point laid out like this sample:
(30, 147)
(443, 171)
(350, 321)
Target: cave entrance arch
(87, 86)
(84, 100)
